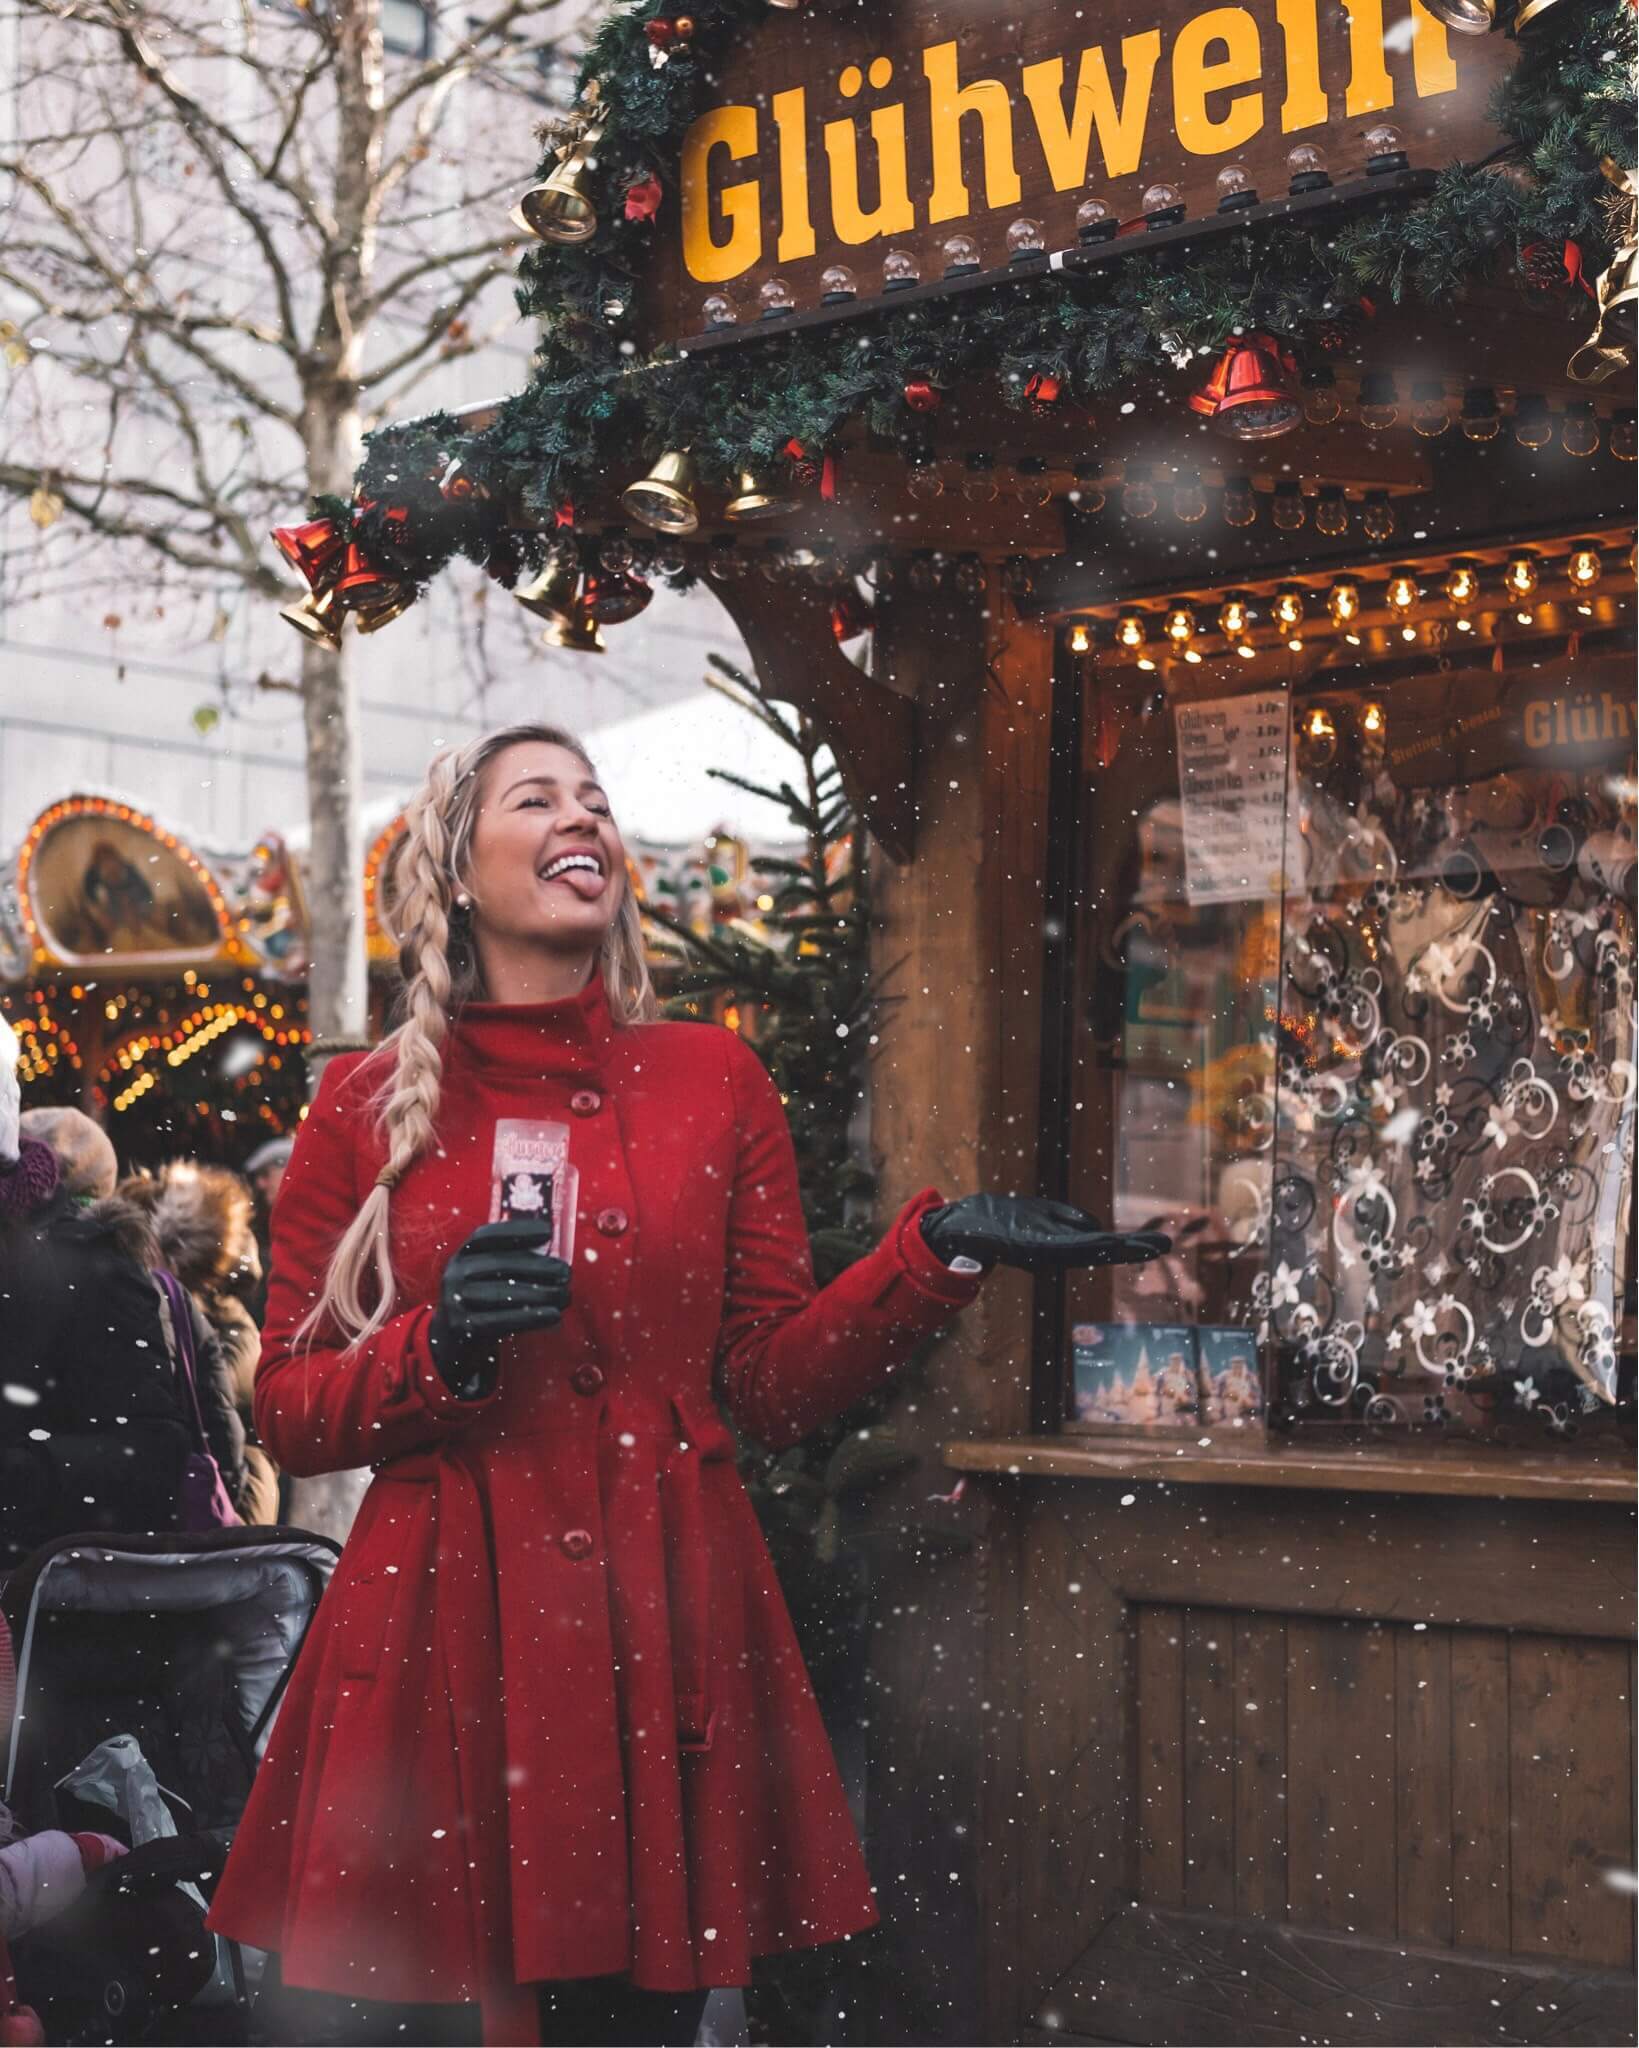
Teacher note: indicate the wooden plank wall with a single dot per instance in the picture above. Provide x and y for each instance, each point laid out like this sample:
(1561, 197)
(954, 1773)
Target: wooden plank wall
(1451, 1787)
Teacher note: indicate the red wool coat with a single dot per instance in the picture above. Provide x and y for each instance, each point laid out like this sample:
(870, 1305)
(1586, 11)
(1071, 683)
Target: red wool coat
(552, 1720)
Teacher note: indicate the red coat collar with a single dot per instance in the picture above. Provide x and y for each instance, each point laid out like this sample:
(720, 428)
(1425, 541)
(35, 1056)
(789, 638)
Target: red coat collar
(536, 1038)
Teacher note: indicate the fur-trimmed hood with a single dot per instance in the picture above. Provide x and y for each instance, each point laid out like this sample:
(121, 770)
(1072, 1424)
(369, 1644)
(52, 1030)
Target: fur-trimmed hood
(202, 1217)
(122, 1222)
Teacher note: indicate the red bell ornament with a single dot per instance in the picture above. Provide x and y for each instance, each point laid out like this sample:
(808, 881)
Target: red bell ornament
(921, 396)
(1247, 396)
(361, 583)
(609, 598)
(1044, 391)
(314, 550)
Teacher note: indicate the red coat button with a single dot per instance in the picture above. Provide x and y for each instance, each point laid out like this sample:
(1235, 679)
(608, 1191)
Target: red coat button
(586, 1379)
(612, 1222)
(586, 1102)
(576, 1543)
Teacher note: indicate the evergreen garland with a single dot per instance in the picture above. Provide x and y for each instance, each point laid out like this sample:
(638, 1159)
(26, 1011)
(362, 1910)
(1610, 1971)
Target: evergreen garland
(594, 408)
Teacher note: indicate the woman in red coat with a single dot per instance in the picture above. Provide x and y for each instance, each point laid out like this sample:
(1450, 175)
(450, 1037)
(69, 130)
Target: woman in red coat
(550, 1746)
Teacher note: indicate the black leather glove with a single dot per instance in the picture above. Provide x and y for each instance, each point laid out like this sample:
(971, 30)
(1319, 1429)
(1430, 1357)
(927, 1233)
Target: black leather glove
(498, 1283)
(1032, 1233)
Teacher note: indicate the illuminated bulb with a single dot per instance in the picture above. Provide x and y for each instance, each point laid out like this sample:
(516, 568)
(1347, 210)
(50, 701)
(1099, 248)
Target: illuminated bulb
(1533, 422)
(1138, 499)
(1247, 653)
(1129, 630)
(1525, 617)
(1191, 655)
(1179, 625)
(1317, 724)
(1343, 602)
(1331, 511)
(1162, 205)
(1321, 404)
(1408, 632)
(1235, 189)
(1371, 718)
(776, 297)
(1095, 222)
(1146, 664)
(1402, 591)
(1295, 644)
(1306, 167)
(1288, 607)
(838, 285)
(1189, 500)
(1240, 502)
(1429, 415)
(1385, 151)
(1520, 577)
(1584, 567)
(1465, 625)
(1377, 516)
(1462, 584)
(1234, 616)
(1080, 639)
(1379, 400)
(961, 255)
(1025, 239)
(1579, 435)
(899, 269)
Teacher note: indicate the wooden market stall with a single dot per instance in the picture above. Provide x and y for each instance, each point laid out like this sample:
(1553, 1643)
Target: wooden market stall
(1252, 733)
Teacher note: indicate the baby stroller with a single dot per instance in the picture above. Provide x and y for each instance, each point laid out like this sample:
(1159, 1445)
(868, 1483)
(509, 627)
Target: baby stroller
(183, 1644)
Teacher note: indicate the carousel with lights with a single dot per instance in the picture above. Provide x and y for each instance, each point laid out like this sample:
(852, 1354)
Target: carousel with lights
(1185, 465)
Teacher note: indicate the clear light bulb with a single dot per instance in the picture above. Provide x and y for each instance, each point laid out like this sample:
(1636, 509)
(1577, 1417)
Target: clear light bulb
(1240, 502)
(1372, 719)
(924, 482)
(1379, 400)
(1234, 616)
(1377, 516)
(961, 253)
(1129, 631)
(1024, 238)
(1481, 416)
(1343, 602)
(1319, 725)
(837, 285)
(1179, 625)
(1161, 204)
(1462, 583)
(1579, 433)
(1533, 422)
(899, 269)
(925, 573)
(1235, 188)
(1088, 491)
(1385, 150)
(776, 296)
(1521, 576)
(1288, 611)
(1332, 511)
(1306, 167)
(1430, 416)
(1095, 222)
(979, 484)
(1584, 567)
(718, 311)
(1288, 509)
(1624, 438)
(1081, 638)
(1138, 499)
(969, 578)
(1032, 486)
(1402, 591)
(1188, 499)
(1321, 404)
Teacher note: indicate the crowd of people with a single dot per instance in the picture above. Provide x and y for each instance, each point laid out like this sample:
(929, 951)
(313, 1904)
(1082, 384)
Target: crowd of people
(131, 1310)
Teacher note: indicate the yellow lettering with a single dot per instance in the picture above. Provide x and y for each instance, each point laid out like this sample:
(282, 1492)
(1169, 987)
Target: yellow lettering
(1193, 78)
(796, 228)
(709, 261)
(948, 102)
(1538, 728)
(894, 214)
(1066, 143)
(1432, 69)
(1370, 87)
(1618, 718)
(1305, 103)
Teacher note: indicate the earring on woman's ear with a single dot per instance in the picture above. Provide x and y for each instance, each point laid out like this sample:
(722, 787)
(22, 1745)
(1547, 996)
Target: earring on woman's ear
(463, 902)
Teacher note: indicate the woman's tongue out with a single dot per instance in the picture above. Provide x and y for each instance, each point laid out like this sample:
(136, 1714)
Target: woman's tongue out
(582, 877)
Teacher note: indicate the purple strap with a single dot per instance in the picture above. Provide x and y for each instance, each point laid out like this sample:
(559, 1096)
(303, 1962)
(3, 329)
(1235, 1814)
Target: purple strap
(182, 1325)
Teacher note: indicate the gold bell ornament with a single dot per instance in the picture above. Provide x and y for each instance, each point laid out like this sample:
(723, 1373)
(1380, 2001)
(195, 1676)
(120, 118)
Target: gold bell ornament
(317, 616)
(758, 497)
(550, 594)
(560, 209)
(664, 498)
(1611, 346)
(577, 634)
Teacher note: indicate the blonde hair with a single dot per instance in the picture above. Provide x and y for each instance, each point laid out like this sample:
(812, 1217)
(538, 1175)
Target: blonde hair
(439, 966)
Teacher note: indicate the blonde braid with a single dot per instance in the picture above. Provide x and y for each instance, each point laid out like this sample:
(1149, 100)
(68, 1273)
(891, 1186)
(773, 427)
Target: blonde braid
(408, 1100)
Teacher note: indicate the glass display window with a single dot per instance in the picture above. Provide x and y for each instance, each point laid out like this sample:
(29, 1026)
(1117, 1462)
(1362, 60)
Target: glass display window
(1354, 1021)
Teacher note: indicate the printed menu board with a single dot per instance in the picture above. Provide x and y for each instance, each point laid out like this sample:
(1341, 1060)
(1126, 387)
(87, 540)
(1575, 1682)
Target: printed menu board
(1232, 789)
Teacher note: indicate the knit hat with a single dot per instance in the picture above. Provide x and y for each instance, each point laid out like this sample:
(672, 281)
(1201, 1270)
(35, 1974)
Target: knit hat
(85, 1152)
(276, 1152)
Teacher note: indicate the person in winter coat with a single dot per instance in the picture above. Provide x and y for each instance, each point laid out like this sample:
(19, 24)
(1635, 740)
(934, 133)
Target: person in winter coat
(204, 1221)
(550, 1745)
(94, 1428)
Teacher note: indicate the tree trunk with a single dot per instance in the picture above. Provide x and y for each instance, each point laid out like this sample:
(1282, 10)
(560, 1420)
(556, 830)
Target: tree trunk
(336, 989)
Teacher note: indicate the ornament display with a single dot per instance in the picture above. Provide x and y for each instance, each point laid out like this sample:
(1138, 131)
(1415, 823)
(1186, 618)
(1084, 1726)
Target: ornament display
(1247, 396)
(1611, 346)
(664, 498)
(561, 208)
